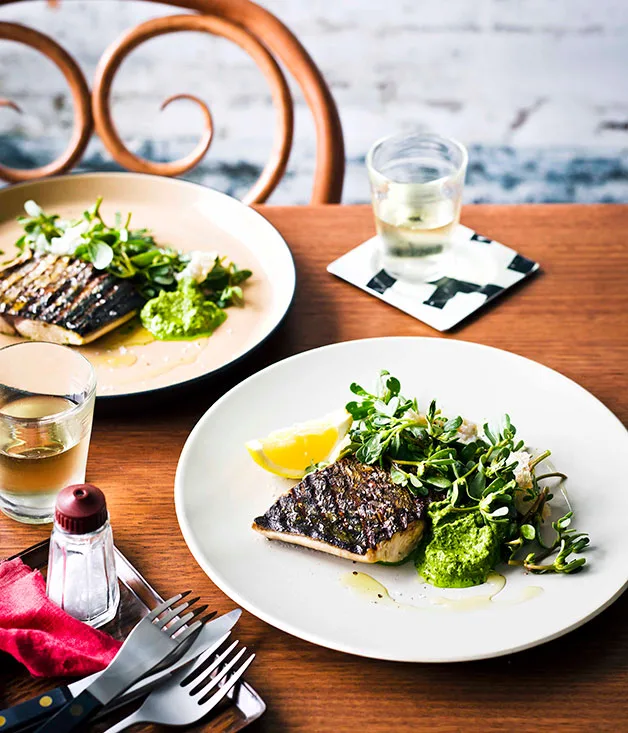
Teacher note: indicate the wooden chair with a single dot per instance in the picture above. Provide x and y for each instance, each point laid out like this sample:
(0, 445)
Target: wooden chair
(250, 26)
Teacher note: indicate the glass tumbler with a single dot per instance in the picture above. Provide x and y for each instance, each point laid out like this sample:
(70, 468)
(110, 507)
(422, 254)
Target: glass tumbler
(416, 185)
(47, 395)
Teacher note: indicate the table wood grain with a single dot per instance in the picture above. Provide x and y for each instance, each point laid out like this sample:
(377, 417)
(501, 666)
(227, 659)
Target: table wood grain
(572, 316)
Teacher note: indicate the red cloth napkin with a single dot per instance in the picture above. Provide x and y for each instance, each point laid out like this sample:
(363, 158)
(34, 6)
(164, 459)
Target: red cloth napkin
(42, 636)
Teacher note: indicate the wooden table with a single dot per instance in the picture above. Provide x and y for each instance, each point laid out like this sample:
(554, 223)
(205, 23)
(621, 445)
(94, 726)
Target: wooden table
(573, 317)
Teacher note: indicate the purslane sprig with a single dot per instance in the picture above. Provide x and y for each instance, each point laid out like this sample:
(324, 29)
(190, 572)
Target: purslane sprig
(567, 542)
(431, 454)
(126, 253)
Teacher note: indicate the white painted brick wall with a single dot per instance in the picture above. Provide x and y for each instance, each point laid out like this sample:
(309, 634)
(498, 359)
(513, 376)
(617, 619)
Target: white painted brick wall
(534, 75)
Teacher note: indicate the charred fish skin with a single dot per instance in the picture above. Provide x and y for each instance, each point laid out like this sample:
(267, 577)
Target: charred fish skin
(68, 297)
(349, 509)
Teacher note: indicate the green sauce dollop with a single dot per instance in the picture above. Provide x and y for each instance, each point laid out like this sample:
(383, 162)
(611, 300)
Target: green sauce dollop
(460, 550)
(183, 313)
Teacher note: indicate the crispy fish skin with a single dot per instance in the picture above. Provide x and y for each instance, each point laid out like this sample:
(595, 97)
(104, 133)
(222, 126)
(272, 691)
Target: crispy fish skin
(348, 509)
(63, 300)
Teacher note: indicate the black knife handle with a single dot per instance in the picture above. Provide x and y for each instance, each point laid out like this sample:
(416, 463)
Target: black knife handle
(72, 715)
(26, 714)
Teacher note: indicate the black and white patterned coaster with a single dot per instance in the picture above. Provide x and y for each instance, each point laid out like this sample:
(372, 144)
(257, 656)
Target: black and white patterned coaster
(477, 270)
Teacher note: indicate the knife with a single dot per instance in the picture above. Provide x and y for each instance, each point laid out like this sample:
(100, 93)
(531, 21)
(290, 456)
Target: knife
(144, 649)
(26, 715)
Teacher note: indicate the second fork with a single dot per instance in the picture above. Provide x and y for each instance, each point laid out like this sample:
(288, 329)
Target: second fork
(191, 693)
(150, 642)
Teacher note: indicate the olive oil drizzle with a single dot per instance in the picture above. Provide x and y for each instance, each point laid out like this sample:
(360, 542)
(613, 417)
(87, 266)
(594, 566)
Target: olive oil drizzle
(374, 591)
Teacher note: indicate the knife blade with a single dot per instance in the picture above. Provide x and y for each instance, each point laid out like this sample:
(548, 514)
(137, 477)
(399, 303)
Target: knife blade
(146, 647)
(26, 715)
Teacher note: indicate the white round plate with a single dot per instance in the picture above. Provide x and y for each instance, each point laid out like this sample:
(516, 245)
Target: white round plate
(185, 216)
(219, 491)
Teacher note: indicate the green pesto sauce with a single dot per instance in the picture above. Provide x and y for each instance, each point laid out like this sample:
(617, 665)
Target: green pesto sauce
(181, 314)
(460, 549)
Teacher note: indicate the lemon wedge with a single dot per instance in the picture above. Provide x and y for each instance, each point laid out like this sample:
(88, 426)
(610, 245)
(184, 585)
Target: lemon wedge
(289, 452)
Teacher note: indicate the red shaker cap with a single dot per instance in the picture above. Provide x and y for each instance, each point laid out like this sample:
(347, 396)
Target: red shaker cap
(80, 509)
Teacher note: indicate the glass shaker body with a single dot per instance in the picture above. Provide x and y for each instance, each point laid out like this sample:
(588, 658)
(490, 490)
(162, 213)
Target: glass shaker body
(82, 575)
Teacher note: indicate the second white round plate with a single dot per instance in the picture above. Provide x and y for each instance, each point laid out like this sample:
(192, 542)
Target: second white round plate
(219, 491)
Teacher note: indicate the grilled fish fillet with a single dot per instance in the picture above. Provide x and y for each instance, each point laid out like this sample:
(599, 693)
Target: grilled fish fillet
(351, 510)
(62, 300)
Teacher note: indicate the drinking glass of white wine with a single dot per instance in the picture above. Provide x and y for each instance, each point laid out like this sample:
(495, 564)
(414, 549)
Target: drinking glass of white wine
(47, 395)
(416, 185)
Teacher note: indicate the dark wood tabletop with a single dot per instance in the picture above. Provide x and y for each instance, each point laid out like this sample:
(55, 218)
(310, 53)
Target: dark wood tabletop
(572, 316)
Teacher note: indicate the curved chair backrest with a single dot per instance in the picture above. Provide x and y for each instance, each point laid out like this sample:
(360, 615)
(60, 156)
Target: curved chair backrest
(251, 27)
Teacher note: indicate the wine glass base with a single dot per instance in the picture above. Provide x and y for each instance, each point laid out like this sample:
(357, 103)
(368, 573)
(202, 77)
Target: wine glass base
(415, 269)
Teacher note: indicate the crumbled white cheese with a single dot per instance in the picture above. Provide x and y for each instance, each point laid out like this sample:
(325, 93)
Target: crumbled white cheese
(523, 473)
(467, 432)
(67, 243)
(40, 244)
(199, 266)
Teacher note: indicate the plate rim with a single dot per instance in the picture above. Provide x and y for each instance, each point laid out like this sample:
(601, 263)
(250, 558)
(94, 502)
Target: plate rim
(287, 627)
(186, 383)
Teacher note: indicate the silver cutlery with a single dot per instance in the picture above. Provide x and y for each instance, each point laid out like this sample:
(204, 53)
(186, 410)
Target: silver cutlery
(183, 699)
(26, 715)
(150, 642)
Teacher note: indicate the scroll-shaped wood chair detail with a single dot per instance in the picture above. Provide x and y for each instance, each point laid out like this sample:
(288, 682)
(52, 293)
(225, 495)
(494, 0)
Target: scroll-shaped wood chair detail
(113, 57)
(251, 27)
(82, 128)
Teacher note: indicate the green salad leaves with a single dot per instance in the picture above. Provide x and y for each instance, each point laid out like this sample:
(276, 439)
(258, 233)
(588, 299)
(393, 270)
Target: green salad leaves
(127, 253)
(489, 474)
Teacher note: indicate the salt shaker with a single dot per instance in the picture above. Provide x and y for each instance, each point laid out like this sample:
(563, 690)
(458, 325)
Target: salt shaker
(81, 565)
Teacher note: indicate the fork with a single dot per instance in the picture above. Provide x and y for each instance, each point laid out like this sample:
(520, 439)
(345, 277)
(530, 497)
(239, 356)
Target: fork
(150, 642)
(183, 700)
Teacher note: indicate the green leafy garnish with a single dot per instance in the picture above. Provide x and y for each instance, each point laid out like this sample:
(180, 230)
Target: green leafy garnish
(126, 253)
(440, 457)
(566, 543)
